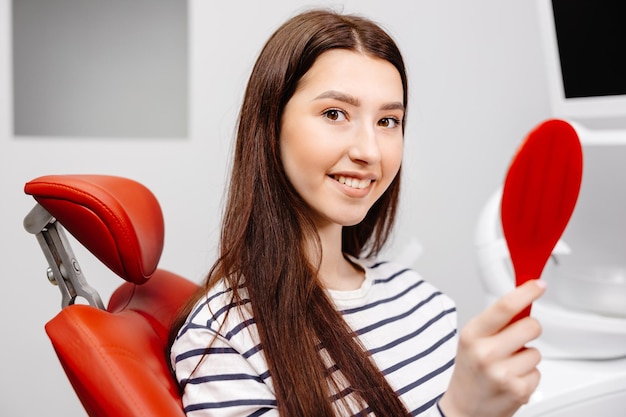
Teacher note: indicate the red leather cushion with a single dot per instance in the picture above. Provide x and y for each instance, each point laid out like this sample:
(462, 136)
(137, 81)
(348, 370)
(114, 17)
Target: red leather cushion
(116, 360)
(117, 219)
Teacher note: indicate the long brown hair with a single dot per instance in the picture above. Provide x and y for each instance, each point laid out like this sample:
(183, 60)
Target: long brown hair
(266, 228)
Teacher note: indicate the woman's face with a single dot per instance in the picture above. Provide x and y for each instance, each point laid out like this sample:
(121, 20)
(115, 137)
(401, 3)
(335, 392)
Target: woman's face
(341, 135)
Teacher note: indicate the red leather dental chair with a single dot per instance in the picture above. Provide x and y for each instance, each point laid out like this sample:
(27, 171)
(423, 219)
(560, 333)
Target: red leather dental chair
(114, 357)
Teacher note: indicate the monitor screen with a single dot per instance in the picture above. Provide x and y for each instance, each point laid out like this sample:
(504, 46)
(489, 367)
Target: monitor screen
(585, 52)
(591, 38)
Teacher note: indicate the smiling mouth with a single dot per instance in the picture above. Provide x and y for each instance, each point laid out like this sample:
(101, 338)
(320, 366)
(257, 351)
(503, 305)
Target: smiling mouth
(353, 182)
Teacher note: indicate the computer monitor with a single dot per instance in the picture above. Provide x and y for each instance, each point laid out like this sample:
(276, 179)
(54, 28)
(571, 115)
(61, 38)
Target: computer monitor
(585, 53)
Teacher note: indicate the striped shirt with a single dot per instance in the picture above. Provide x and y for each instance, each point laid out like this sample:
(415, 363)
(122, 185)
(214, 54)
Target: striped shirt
(406, 324)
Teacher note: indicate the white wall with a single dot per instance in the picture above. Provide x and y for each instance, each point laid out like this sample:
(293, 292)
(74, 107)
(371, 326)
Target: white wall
(477, 86)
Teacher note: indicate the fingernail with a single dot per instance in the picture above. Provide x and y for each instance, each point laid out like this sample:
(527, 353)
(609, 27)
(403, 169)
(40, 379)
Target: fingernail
(541, 284)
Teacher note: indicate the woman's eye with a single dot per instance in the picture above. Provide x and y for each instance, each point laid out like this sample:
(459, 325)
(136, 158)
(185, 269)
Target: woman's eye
(389, 122)
(334, 115)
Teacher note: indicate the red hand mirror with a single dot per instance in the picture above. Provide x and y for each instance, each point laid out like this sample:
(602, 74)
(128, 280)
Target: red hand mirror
(539, 195)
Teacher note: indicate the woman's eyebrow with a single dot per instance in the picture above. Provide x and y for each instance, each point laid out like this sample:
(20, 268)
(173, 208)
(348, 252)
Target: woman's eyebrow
(395, 105)
(336, 95)
(347, 98)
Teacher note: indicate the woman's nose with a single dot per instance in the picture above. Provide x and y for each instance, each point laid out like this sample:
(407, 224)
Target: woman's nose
(365, 148)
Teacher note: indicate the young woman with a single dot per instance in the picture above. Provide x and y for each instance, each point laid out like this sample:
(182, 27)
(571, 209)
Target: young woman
(297, 318)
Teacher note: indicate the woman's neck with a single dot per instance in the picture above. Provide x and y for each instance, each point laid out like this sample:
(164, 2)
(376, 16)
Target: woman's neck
(336, 272)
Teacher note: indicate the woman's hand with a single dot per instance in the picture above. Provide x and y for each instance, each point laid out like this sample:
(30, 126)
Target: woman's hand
(494, 372)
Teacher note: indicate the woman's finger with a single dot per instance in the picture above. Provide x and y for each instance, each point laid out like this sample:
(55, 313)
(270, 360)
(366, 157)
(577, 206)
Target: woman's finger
(515, 336)
(499, 314)
(518, 365)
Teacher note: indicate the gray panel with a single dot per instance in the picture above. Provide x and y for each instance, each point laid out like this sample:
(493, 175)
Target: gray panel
(99, 68)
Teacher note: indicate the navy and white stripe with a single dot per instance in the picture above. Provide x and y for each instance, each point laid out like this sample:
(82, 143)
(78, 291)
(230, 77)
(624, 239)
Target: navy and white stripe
(407, 325)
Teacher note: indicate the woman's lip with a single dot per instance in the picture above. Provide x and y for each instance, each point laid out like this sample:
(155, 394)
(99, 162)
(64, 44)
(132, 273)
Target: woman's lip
(357, 175)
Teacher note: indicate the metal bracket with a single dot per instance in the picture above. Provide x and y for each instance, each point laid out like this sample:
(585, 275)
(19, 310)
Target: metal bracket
(64, 270)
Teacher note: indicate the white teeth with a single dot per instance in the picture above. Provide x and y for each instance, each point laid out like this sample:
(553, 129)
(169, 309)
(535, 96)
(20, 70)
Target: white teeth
(353, 182)
(364, 183)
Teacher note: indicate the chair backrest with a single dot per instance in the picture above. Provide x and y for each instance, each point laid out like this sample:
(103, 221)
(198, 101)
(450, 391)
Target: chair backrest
(114, 357)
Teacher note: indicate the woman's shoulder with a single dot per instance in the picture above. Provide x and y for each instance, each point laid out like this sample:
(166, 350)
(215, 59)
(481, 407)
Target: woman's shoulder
(220, 311)
(399, 278)
(390, 272)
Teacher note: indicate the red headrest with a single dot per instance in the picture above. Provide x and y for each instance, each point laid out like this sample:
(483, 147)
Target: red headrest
(117, 219)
